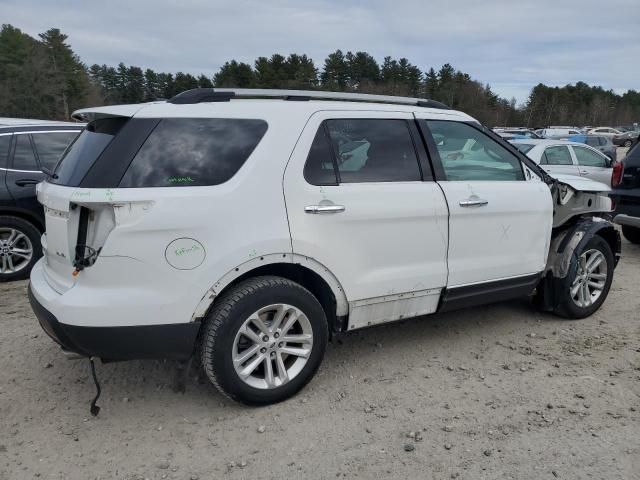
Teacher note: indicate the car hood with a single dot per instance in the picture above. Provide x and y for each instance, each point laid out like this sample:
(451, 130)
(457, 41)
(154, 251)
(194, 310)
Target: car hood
(582, 184)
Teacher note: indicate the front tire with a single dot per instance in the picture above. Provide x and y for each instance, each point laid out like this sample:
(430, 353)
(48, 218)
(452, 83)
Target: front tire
(264, 340)
(20, 248)
(588, 281)
(631, 233)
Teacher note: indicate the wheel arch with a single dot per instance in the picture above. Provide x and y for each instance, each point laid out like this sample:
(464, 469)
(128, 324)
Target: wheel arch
(25, 215)
(306, 271)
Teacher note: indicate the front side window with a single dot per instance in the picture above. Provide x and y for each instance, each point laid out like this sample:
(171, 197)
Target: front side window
(50, 146)
(558, 155)
(467, 153)
(23, 156)
(187, 152)
(589, 158)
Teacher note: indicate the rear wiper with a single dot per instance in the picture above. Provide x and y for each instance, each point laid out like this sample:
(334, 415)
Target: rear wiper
(49, 173)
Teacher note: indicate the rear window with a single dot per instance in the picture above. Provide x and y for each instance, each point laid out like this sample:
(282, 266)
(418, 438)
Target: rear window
(85, 150)
(187, 152)
(523, 147)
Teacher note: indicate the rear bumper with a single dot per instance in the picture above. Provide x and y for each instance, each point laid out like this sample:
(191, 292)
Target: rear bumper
(170, 341)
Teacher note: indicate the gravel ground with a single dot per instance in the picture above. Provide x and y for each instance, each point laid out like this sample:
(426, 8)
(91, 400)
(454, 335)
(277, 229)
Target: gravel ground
(495, 392)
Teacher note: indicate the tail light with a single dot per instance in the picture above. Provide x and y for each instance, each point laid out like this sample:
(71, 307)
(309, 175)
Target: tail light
(616, 174)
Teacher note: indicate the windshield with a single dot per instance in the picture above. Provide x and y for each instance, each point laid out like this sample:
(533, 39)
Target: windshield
(80, 156)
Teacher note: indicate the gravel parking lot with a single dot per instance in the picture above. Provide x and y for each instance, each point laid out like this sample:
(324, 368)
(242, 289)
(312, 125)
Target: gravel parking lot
(495, 392)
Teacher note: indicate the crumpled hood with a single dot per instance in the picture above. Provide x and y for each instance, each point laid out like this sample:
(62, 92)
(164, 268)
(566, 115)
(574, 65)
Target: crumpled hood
(582, 184)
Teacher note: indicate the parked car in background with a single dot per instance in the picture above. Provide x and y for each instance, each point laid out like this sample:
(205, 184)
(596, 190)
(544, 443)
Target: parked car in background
(626, 139)
(246, 225)
(516, 132)
(606, 131)
(567, 158)
(27, 147)
(557, 132)
(626, 194)
(599, 142)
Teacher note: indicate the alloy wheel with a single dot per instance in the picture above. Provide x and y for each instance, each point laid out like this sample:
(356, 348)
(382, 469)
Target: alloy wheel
(272, 346)
(590, 279)
(16, 250)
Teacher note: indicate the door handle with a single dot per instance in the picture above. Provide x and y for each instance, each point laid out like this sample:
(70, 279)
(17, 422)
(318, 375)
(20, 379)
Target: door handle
(584, 172)
(324, 209)
(473, 202)
(27, 181)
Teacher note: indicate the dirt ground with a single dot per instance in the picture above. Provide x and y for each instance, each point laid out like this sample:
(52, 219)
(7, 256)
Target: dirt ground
(495, 392)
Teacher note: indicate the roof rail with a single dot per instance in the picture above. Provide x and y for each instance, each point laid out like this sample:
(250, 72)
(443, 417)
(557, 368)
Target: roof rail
(200, 95)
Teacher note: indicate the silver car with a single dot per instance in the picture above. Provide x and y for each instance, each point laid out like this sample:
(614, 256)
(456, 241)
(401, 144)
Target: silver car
(568, 158)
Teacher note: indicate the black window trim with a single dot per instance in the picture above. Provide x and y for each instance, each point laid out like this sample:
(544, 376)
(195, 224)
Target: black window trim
(436, 161)
(422, 155)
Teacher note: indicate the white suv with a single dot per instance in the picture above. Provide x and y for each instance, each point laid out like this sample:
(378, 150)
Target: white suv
(246, 226)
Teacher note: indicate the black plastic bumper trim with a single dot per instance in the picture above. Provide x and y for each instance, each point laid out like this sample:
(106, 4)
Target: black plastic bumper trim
(170, 341)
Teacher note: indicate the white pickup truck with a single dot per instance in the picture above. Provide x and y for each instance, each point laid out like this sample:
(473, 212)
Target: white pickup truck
(247, 226)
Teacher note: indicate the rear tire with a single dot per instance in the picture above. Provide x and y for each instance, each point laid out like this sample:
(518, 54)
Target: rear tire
(264, 340)
(631, 233)
(588, 281)
(20, 248)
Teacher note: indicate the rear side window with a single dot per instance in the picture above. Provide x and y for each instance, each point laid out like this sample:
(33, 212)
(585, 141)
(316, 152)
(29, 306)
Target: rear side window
(559, 155)
(364, 150)
(593, 141)
(5, 142)
(319, 169)
(85, 150)
(467, 154)
(51, 145)
(23, 156)
(193, 152)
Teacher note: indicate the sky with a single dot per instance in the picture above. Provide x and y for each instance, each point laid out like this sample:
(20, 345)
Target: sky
(510, 44)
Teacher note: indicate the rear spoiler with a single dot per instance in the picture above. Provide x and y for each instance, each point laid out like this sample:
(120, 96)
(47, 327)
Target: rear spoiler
(94, 113)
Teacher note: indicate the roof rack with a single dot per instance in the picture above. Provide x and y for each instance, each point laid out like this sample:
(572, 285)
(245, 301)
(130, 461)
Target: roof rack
(200, 95)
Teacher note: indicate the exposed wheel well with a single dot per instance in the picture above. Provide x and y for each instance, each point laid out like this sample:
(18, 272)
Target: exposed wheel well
(305, 277)
(32, 219)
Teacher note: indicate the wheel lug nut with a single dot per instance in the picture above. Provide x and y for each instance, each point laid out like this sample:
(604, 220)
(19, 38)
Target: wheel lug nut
(263, 350)
(265, 339)
(276, 335)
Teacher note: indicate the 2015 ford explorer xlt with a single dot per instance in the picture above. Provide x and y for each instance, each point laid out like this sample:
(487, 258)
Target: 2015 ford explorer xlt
(248, 225)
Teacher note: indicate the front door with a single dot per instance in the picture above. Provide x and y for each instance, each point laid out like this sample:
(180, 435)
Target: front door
(500, 221)
(592, 164)
(361, 201)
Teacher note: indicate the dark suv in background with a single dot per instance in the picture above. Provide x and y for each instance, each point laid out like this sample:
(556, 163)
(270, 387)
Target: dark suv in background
(28, 148)
(625, 182)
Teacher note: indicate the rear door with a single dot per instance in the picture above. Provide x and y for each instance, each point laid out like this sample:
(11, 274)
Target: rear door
(357, 203)
(500, 220)
(30, 152)
(593, 164)
(23, 173)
